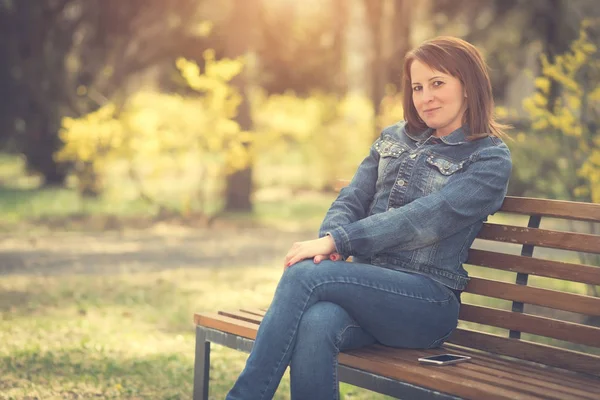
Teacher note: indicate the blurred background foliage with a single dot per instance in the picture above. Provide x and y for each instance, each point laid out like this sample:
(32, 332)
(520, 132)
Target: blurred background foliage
(197, 105)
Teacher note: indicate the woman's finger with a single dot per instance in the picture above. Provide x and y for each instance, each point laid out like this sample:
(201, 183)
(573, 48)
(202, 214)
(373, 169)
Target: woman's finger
(335, 257)
(320, 257)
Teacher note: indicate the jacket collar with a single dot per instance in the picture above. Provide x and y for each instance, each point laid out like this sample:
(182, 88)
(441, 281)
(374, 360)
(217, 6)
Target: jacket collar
(455, 138)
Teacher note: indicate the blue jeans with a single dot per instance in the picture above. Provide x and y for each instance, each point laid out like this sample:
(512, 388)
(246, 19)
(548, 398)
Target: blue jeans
(320, 309)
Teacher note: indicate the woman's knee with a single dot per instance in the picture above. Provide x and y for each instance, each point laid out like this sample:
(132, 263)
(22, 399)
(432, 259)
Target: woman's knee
(323, 323)
(298, 271)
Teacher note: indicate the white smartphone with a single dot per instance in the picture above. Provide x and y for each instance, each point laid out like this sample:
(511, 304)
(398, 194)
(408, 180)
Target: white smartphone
(444, 359)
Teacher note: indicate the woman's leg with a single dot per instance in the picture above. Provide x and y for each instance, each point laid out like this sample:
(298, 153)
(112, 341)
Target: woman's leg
(325, 329)
(399, 309)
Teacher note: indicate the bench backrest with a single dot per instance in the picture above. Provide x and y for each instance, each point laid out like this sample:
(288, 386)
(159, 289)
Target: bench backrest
(542, 308)
(551, 309)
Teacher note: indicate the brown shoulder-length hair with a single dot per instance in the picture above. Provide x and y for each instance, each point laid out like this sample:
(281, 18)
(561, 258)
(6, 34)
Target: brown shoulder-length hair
(463, 61)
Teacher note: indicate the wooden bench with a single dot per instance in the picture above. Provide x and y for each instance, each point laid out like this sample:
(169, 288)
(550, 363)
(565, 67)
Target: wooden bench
(535, 343)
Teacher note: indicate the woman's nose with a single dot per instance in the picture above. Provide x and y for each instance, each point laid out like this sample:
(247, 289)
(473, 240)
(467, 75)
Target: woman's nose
(427, 95)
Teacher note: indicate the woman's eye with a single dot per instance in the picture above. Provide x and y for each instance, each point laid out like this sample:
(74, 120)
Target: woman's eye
(416, 88)
(438, 83)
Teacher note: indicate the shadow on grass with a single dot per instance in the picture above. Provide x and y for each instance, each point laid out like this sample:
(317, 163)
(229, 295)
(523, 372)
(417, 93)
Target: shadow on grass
(39, 295)
(111, 253)
(160, 376)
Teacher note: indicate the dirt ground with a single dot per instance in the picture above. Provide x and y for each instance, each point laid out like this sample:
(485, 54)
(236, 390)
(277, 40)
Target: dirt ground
(157, 248)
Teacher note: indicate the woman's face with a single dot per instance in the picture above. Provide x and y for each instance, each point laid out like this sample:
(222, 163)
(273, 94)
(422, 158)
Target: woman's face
(439, 98)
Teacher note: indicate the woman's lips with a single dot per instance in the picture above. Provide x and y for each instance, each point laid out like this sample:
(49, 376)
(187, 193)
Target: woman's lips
(431, 111)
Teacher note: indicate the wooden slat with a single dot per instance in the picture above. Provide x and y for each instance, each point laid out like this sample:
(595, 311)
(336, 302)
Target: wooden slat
(483, 374)
(542, 297)
(254, 311)
(580, 390)
(571, 332)
(441, 379)
(541, 237)
(557, 389)
(243, 316)
(527, 369)
(552, 208)
(226, 324)
(579, 385)
(535, 266)
(525, 350)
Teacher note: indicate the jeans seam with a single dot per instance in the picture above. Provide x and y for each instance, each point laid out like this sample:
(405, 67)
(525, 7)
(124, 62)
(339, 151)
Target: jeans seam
(446, 300)
(287, 347)
(338, 341)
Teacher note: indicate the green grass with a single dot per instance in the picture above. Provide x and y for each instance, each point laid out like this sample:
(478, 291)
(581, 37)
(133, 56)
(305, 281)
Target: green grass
(122, 336)
(26, 205)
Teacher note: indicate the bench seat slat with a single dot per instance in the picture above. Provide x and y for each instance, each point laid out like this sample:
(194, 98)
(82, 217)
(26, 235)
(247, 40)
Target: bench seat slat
(243, 316)
(484, 374)
(539, 385)
(540, 237)
(535, 266)
(254, 311)
(526, 370)
(536, 352)
(552, 208)
(227, 324)
(542, 297)
(568, 331)
(443, 379)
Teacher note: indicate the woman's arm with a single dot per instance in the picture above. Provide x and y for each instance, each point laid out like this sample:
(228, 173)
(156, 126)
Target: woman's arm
(467, 198)
(352, 204)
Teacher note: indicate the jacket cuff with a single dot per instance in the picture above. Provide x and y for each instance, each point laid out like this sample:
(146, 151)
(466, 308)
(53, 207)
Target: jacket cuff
(342, 242)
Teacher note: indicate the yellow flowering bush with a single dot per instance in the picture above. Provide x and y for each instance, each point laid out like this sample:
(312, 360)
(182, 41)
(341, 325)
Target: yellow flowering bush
(330, 134)
(574, 116)
(184, 141)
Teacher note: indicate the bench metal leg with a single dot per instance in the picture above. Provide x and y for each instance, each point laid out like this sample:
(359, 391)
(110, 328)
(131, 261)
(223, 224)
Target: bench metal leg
(201, 365)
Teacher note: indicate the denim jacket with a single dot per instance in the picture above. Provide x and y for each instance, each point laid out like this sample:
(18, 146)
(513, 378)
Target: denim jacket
(417, 202)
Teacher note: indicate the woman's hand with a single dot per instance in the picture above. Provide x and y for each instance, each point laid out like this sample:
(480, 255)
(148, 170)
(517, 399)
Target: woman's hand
(335, 256)
(322, 247)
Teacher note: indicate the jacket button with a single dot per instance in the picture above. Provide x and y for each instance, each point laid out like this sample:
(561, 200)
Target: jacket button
(401, 182)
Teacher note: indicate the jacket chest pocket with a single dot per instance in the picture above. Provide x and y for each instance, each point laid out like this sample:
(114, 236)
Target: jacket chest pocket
(441, 169)
(389, 152)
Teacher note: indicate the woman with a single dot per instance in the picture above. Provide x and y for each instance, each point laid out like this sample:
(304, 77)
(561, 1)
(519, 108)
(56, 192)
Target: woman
(408, 218)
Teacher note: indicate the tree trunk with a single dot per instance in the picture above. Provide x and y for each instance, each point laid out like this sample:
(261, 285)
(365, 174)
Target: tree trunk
(376, 24)
(38, 148)
(340, 22)
(241, 31)
(400, 40)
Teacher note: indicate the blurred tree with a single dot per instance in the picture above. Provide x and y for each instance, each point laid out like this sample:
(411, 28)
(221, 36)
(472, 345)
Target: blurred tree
(389, 23)
(301, 48)
(240, 42)
(68, 57)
